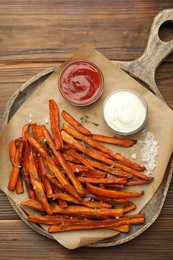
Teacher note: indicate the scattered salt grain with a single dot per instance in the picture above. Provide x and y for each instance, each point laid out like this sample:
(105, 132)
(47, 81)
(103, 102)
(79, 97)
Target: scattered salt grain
(46, 121)
(30, 116)
(149, 151)
(133, 156)
(76, 170)
(87, 199)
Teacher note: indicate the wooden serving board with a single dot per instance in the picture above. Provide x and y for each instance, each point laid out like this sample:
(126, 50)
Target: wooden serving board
(143, 69)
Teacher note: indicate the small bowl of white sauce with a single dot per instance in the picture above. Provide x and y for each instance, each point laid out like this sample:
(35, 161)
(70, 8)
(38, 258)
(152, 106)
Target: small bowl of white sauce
(125, 111)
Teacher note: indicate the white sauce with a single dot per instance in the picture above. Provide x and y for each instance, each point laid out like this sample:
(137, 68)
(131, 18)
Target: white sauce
(125, 111)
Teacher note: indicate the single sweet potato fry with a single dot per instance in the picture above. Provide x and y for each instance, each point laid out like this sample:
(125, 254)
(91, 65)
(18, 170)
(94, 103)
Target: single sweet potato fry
(107, 200)
(12, 154)
(40, 194)
(73, 122)
(54, 121)
(32, 166)
(114, 140)
(25, 129)
(129, 208)
(37, 146)
(123, 228)
(112, 193)
(103, 180)
(114, 185)
(139, 181)
(12, 151)
(46, 182)
(16, 166)
(33, 204)
(80, 210)
(19, 185)
(25, 170)
(38, 135)
(90, 174)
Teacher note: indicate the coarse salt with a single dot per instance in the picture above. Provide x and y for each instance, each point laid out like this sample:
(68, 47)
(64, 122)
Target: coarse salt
(30, 116)
(134, 156)
(46, 121)
(149, 151)
(87, 199)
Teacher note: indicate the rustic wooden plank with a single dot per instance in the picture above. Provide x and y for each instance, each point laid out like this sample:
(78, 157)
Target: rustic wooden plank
(57, 29)
(6, 210)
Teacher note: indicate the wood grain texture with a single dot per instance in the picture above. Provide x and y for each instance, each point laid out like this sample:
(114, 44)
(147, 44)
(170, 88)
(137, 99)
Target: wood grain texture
(36, 35)
(44, 31)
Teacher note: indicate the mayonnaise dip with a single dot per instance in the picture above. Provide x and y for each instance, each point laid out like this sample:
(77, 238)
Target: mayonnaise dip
(125, 111)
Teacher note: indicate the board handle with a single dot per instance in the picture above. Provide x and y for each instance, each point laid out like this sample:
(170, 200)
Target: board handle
(155, 52)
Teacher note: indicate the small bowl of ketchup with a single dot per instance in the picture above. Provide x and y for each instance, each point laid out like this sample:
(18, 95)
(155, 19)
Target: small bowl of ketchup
(81, 82)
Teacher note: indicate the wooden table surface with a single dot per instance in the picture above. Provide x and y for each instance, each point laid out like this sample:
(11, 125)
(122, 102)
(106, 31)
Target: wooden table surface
(35, 35)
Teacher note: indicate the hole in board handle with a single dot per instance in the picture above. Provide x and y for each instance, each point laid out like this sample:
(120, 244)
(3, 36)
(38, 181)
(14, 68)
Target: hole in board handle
(166, 31)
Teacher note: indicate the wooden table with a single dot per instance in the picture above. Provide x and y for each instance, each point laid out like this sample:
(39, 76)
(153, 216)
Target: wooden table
(35, 35)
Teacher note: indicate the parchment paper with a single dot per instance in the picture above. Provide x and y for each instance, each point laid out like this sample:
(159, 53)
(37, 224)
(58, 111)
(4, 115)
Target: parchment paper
(160, 123)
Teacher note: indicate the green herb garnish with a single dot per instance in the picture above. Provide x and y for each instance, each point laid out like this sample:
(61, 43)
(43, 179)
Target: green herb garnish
(52, 174)
(86, 119)
(111, 167)
(84, 145)
(62, 224)
(42, 141)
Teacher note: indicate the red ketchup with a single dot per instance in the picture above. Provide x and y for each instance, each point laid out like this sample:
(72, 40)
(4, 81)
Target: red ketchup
(81, 82)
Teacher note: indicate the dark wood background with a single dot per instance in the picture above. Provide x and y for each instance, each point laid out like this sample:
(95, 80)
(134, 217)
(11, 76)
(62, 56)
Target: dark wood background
(35, 35)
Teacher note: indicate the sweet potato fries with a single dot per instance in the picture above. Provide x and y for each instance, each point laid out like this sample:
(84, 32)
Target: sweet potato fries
(73, 180)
